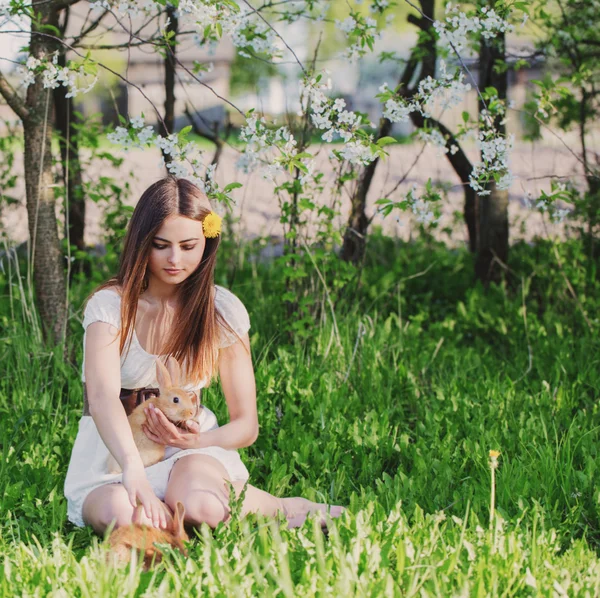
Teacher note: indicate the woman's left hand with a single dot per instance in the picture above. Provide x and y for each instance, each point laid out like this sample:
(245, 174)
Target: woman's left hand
(159, 429)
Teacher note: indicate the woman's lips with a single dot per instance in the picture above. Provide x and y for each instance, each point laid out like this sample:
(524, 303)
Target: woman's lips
(172, 271)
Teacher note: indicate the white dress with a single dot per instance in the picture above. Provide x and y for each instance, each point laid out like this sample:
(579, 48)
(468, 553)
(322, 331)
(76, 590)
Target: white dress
(87, 467)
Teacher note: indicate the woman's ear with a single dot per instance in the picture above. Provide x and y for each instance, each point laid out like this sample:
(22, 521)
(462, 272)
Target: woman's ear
(162, 375)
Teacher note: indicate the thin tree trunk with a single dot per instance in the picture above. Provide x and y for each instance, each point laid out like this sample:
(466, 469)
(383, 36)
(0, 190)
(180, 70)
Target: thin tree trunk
(45, 252)
(170, 66)
(71, 165)
(355, 236)
(492, 251)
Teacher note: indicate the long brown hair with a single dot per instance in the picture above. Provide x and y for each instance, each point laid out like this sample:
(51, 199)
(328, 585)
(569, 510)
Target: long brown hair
(194, 340)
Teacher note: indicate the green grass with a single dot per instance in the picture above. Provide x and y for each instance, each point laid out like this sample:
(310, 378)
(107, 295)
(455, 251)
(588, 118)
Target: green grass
(395, 420)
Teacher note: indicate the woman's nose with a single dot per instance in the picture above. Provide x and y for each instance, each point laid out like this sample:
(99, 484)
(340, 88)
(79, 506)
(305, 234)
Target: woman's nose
(173, 256)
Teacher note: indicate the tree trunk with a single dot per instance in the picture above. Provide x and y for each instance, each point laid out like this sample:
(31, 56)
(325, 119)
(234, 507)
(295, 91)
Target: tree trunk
(493, 248)
(46, 257)
(492, 251)
(472, 217)
(71, 165)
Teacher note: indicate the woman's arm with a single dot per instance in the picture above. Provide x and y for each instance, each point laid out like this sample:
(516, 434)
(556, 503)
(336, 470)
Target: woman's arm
(239, 387)
(103, 385)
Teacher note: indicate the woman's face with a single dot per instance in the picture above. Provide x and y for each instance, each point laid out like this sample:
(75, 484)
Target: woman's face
(176, 250)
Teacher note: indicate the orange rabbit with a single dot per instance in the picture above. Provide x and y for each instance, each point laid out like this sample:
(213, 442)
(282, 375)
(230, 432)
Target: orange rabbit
(177, 404)
(142, 538)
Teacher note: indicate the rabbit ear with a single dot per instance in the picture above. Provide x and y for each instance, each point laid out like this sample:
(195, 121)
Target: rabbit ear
(162, 375)
(178, 518)
(175, 370)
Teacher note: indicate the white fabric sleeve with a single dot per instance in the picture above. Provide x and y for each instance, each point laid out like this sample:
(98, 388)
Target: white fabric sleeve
(234, 312)
(103, 306)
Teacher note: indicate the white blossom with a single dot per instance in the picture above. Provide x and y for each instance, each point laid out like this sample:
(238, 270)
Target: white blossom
(53, 76)
(435, 138)
(137, 122)
(358, 153)
(495, 150)
(330, 116)
(398, 111)
(458, 28)
(347, 25)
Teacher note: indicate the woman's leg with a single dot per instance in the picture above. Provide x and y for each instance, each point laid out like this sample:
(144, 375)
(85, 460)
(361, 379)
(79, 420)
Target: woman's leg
(199, 482)
(109, 503)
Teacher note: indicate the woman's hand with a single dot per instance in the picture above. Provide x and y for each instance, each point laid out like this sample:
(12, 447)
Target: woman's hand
(139, 490)
(159, 429)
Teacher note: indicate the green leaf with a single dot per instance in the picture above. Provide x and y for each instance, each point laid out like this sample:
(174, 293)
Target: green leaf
(300, 166)
(385, 141)
(231, 187)
(184, 132)
(232, 4)
(50, 28)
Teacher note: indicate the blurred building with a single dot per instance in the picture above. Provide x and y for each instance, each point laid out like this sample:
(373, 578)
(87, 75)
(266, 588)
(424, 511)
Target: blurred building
(143, 68)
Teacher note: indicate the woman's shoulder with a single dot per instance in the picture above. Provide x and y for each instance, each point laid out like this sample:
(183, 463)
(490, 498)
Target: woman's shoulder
(103, 305)
(223, 295)
(111, 292)
(107, 296)
(228, 302)
(232, 309)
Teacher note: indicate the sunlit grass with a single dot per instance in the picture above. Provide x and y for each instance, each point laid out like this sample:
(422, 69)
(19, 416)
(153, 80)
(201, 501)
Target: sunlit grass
(396, 421)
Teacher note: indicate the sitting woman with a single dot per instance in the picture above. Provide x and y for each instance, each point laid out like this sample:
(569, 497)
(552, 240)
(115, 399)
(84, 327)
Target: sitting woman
(163, 302)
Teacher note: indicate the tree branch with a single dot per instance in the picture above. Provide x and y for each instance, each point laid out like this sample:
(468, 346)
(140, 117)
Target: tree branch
(64, 4)
(91, 27)
(13, 99)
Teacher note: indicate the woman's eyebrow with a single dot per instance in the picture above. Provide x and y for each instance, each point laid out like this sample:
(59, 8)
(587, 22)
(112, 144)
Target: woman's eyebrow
(166, 241)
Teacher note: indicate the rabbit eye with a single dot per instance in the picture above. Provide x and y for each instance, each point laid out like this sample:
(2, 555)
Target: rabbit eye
(175, 399)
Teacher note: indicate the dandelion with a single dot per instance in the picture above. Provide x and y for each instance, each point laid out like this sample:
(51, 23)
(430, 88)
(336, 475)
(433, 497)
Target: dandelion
(211, 225)
(493, 466)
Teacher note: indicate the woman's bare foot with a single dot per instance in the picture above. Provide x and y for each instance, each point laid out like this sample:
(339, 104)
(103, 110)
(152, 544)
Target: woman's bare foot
(297, 509)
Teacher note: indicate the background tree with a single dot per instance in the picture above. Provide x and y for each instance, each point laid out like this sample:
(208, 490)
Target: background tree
(46, 260)
(571, 97)
(282, 153)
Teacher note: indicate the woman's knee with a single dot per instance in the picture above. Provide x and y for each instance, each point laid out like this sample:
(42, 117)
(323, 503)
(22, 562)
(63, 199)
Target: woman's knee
(108, 506)
(202, 506)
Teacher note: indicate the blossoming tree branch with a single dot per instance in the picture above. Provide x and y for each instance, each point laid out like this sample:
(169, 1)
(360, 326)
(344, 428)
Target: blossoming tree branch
(434, 79)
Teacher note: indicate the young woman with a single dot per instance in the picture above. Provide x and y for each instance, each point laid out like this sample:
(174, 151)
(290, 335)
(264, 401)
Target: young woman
(164, 302)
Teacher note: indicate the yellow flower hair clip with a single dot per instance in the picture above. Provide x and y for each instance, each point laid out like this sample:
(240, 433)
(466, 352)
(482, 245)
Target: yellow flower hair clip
(211, 225)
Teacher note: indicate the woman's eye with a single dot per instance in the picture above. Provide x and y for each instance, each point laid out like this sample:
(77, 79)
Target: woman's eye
(185, 248)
